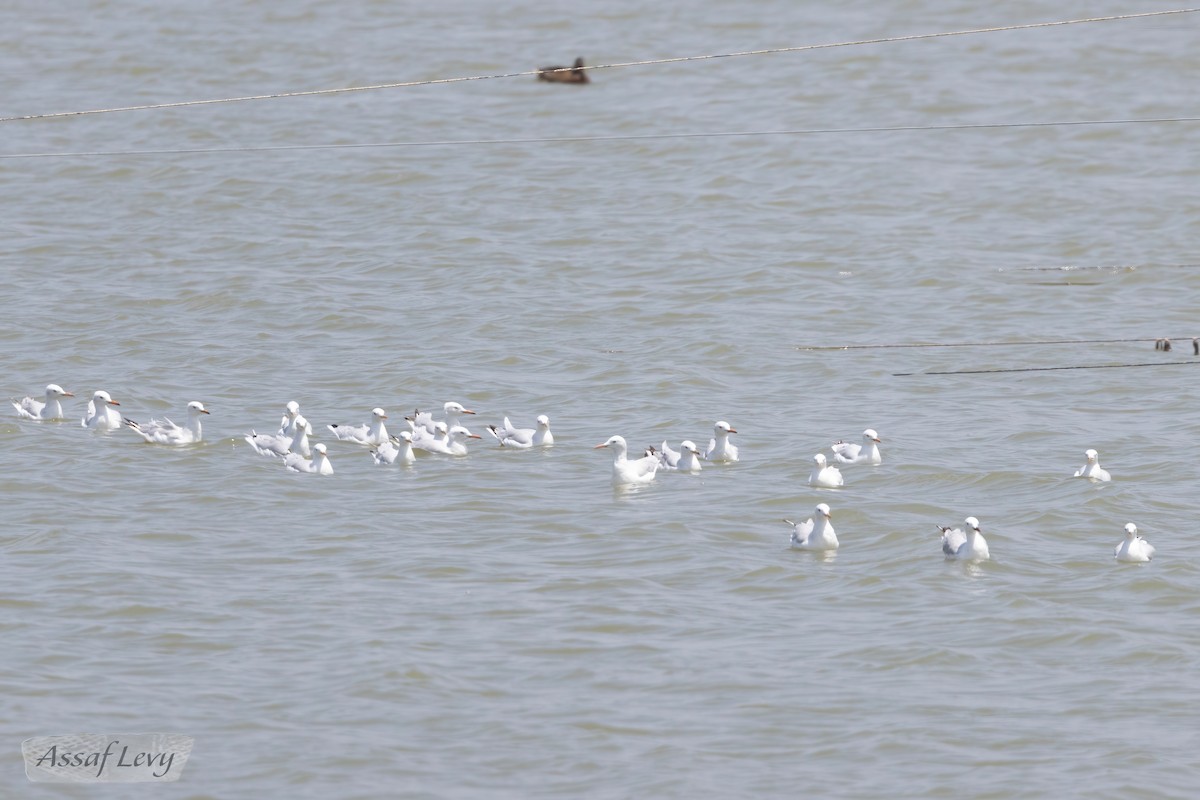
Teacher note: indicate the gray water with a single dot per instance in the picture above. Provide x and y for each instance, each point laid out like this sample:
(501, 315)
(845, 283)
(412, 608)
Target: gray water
(507, 624)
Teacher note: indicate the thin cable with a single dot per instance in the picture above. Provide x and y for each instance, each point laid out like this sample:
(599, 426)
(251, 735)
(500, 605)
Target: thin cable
(608, 138)
(677, 60)
(1048, 369)
(978, 344)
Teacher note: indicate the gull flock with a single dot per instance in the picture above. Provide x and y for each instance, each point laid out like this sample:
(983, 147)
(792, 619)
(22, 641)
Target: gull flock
(448, 436)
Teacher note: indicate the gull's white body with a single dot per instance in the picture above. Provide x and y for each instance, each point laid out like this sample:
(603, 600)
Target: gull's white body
(524, 438)
(968, 545)
(1092, 469)
(397, 448)
(1133, 548)
(424, 420)
(373, 433)
(50, 408)
(320, 464)
(287, 423)
(100, 415)
(278, 444)
(685, 459)
(865, 453)
(719, 447)
(824, 476)
(624, 471)
(164, 431)
(815, 533)
(445, 441)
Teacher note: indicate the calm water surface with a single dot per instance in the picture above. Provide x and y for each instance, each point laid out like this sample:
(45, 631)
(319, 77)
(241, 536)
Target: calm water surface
(506, 624)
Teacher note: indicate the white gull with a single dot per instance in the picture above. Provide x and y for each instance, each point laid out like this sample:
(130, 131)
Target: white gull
(287, 423)
(267, 444)
(164, 431)
(1133, 547)
(719, 447)
(1092, 469)
(320, 464)
(100, 416)
(446, 441)
(424, 420)
(371, 433)
(968, 546)
(626, 472)
(397, 448)
(865, 453)
(823, 475)
(815, 533)
(523, 438)
(685, 459)
(50, 408)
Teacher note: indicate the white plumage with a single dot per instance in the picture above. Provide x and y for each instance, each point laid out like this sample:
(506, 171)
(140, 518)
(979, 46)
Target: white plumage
(624, 471)
(164, 431)
(824, 476)
(865, 453)
(370, 433)
(815, 533)
(719, 447)
(49, 408)
(1092, 469)
(100, 415)
(1133, 547)
(968, 545)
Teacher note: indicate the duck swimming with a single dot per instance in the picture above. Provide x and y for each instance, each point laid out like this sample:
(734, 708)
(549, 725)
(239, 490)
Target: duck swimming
(557, 74)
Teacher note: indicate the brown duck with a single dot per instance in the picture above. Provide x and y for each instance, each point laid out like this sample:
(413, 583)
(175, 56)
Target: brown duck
(572, 74)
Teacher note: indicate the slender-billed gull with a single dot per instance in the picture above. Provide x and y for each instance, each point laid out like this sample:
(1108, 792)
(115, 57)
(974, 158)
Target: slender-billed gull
(397, 448)
(445, 441)
(453, 410)
(50, 408)
(164, 431)
(522, 438)
(320, 464)
(719, 447)
(1092, 469)
(865, 453)
(626, 472)
(1133, 547)
(685, 459)
(968, 546)
(100, 416)
(823, 475)
(267, 444)
(815, 533)
(369, 433)
(287, 423)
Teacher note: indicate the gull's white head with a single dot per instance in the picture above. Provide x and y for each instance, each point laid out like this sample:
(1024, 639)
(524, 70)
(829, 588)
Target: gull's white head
(196, 407)
(58, 391)
(293, 408)
(973, 524)
(870, 433)
(689, 447)
(823, 511)
(819, 460)
(1092, 455)
(405, 435)
(379, 413)
(102, 396)
(458, 431)
(543, 421)
(723, 427)
(613, 441)
(1131, 530)
(440, 429)
(456, 408)
(319, 448)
